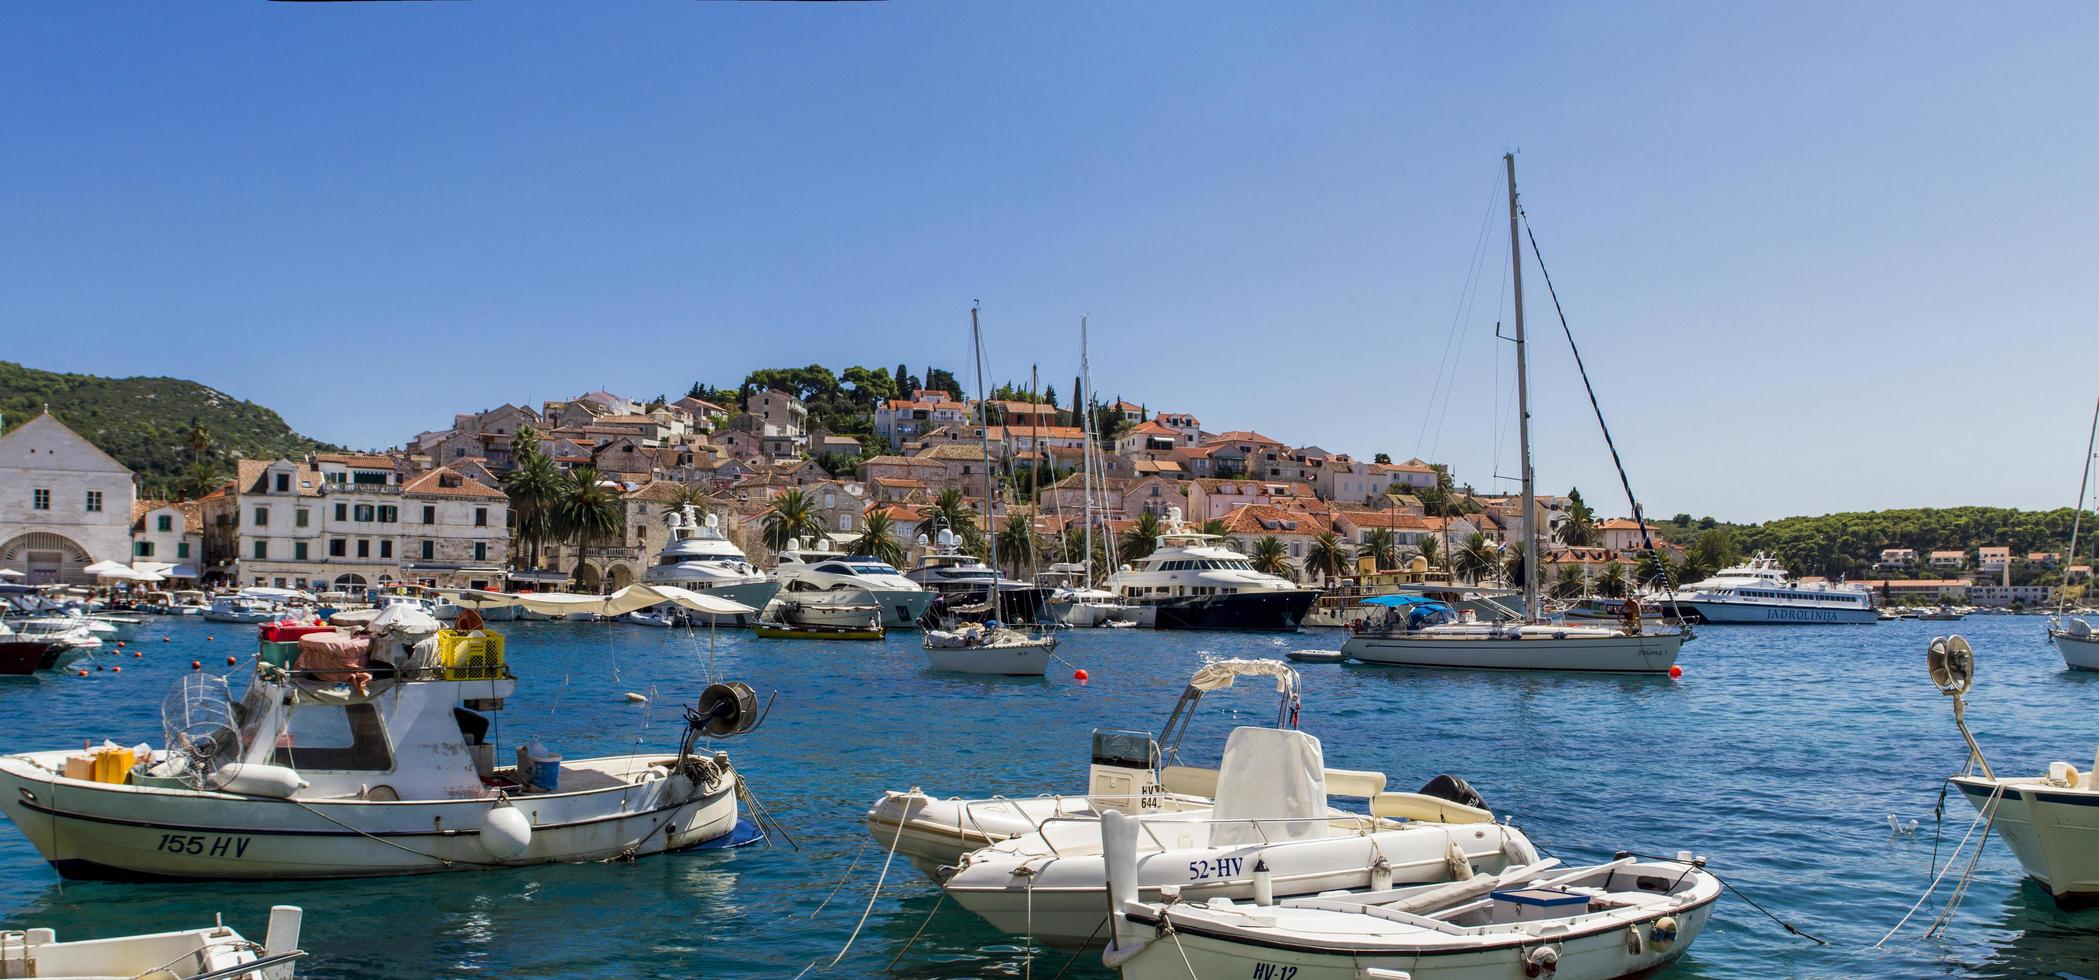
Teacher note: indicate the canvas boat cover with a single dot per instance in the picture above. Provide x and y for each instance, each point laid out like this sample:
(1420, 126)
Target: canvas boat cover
(619, 603)
(1276, 776)
(1219, 674)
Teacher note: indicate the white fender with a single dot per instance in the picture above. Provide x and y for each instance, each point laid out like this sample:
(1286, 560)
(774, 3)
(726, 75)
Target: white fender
(505, 833)
(256, 779)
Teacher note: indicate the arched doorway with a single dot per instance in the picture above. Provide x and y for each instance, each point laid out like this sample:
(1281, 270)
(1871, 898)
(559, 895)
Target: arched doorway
(622, 576)
(47, 558)
(588, 578)
(349, 581)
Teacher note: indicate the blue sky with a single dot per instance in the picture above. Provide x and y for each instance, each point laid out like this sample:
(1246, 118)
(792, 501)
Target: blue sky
(1821, 256)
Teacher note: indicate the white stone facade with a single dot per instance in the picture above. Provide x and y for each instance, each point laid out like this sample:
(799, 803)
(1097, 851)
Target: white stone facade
(64, 504)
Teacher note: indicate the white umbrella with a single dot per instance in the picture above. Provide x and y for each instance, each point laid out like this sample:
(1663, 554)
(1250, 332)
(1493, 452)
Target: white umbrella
(106, 569)
(11, 573)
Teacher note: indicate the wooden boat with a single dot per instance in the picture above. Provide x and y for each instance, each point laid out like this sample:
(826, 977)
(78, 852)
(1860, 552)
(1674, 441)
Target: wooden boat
(783, 631)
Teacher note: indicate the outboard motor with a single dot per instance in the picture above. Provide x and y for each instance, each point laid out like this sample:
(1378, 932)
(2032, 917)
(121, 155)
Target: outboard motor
(1449, 787)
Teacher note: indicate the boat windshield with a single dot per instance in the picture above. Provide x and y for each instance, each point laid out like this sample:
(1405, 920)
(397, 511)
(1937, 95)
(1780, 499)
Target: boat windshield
(874, 569)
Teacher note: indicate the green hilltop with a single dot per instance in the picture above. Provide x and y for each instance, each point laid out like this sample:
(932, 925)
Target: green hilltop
(146, 423)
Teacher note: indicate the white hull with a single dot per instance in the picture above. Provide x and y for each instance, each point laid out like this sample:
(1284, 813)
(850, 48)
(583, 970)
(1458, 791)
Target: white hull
(97, 830)
(1760, 613)
(1065, 901)
(2079, 653)
(1649, 653)
(215, 616)
(2054, 831)
(1598, 955)
(1031, 660)
(217, 952)
(932, 834)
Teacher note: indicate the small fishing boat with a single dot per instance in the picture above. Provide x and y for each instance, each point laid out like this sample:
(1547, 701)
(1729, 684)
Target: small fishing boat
(786, 631)
(216, 953)
(370, 754)
(243, 608)
(989, 648)
(23, 656)
(121, 627)
(1600, 922)
(1942, 614)
(1317, 656)
(2045, 819)
(854, 608)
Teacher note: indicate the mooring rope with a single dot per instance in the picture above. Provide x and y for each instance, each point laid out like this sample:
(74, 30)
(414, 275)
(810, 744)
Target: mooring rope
(1988, 814)
(871, 899)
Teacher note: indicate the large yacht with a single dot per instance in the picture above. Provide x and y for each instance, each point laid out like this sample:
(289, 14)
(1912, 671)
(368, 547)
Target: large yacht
(962, 580)
(1760, 591)
(1191, 582)
(698, 557)
(804, 568)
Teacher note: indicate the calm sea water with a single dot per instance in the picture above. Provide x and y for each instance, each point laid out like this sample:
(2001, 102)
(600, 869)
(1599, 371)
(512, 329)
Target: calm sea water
(1779, 754)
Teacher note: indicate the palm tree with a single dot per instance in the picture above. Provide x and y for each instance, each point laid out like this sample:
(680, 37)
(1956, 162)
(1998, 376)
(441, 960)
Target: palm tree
(1578, 528)
(1610, 580)
(1477, 559)
(691, 495)
(1653, 570)
(1143, 538)
(534, 487)
(1568, 584)
(1269, 556)
(793, 515)
(1429, 550)
(198, 440)
(1016, 542)
(878, 537)
(1328, 556)
(951, 511)
(587, 512)
(1383, 548)
(200, 479)
(1215, 527)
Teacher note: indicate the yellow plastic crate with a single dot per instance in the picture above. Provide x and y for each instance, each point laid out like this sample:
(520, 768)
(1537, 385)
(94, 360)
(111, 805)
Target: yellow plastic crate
(469, 658)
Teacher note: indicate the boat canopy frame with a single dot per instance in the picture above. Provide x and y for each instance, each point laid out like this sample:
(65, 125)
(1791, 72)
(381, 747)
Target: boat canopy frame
(1218, 675)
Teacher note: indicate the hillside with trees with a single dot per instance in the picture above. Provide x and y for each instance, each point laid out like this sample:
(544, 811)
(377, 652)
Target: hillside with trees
(180, 437)
(1849, 544)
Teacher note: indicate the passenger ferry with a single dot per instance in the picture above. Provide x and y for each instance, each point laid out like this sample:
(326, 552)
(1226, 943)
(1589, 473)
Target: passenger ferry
(1760, 591)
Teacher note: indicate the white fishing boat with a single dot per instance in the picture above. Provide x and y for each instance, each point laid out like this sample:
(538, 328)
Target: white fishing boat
(845, 608)
(244, 608)
(988, 648)
(214, 953)
(1128, 771)
(1600, 922)
(1418, 634)
(121, 627)
(805, 572)
(2050, 821)
(354, 756)
(189, 602)
(697, 557)
(1269, 816)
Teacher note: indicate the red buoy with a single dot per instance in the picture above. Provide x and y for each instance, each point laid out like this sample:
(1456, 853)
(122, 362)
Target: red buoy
(120, 644)
(116, 670)
(1079, 675)
(166, 640)
(196, 665)
(230, 661)
(135, 653)
(1675, 671)
(207, 639)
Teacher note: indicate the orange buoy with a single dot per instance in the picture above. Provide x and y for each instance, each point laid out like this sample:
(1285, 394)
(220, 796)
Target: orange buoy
(135, 653)
(1079, 675)
(83, 673)
(118, 670)
(1675, 671)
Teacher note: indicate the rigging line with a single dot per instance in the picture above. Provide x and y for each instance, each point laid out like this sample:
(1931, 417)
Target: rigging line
(1468, 289)
(1646, 538)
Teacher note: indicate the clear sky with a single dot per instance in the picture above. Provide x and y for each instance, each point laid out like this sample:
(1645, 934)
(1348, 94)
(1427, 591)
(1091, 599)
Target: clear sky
(1821, 256)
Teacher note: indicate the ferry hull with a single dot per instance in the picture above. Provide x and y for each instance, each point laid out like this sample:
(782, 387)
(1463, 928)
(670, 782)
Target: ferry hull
(2051, 830)
(1752, 613)
(1277, 611)
(90, 830)
(1644, 654)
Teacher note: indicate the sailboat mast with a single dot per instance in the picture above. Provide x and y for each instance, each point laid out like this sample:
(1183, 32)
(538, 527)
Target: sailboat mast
(976, 340)
(1079, 398)
(1523, 409)
(2091, 442)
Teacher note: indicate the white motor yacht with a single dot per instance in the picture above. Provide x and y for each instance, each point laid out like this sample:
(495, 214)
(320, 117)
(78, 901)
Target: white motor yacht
(2076, 641)
(1760, 591)
(244, 607)
(804, 569)
(1600, 922)
(1191, 581)
(961, 583)
(189, 602)
(699, 558)
(213, 953)
(1079, 604)
(368, 755)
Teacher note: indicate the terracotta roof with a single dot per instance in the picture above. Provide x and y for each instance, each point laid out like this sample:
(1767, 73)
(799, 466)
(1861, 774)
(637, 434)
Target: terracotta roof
(1148, 427)
(655, 491)
(249, 476)
(1618, 524)
(192, 515)
(435, 484)
(955, 451)
(1264, 519)
(356, 459)
(1396, 520)
(1157, 466)
(1241, 435)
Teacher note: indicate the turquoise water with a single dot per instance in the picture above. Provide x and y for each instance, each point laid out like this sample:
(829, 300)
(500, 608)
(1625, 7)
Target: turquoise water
(1779, 755)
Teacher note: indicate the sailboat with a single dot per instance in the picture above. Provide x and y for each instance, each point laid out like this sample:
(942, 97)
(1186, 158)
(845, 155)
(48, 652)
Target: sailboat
(989, 647)
(2074, 637)
(1419, 632)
